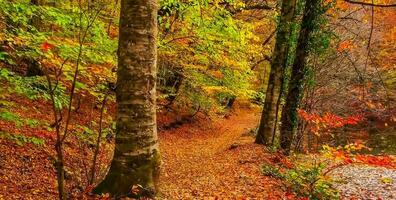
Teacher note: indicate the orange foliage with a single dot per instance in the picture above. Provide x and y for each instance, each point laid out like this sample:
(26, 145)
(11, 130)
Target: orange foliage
(382, 161)
(327, 121)
(373, 160)
(344, 46)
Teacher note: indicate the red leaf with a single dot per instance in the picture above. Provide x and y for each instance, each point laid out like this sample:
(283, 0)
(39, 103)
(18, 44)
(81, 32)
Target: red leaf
(45, 46)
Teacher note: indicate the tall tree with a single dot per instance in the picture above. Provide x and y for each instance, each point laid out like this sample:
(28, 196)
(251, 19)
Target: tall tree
(295, 89)
(278, 65)
(136, 156)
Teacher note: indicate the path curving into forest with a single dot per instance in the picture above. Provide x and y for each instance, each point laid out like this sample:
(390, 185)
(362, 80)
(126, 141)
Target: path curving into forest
(198, 162)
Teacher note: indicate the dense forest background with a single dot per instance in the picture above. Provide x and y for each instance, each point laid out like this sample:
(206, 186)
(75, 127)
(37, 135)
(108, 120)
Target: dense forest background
(248, 93)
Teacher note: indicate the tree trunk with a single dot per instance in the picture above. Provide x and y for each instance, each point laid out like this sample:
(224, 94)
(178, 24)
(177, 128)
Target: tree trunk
(289, 112)
(136, 156)
(279, 62)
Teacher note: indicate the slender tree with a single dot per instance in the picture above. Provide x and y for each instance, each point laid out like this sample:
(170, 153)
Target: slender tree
(278, 65)
(295, 88)
(134, 169)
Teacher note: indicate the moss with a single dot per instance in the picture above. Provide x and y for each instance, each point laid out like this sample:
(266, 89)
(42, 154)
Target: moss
(135, 178)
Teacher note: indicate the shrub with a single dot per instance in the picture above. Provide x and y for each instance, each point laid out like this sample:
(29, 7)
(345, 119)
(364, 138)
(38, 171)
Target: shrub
(33, 87)
(272, 171)
(21, 139)
(305, 181)
(311, 182)
(11, 117)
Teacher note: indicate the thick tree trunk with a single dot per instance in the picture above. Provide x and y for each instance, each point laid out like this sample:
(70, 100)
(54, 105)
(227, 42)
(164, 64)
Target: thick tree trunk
(289, 112)
(136, 156)
(278, 65)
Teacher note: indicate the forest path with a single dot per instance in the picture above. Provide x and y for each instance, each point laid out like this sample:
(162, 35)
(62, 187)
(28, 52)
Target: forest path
(199, 164)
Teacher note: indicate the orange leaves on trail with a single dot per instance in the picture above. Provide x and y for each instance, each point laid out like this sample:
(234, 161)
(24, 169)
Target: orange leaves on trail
(199, 164)
(291, 196)
(279, 158)
(341, 5)
(345, 46)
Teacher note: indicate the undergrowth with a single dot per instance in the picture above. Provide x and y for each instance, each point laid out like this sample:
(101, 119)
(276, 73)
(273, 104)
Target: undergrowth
(305, 181)
(21, 139)
(17, 120)
(33, 88)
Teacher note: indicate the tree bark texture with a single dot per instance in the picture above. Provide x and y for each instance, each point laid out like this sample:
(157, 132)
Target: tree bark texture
(295, 88)
(136, 156)
(278, 65)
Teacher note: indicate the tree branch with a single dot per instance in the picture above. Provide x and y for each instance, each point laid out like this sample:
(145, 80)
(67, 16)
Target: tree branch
(255, 6)
(370, 4)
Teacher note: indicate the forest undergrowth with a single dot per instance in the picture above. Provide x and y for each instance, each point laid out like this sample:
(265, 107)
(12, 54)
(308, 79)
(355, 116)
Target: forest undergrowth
(201, 159)
(197, 99)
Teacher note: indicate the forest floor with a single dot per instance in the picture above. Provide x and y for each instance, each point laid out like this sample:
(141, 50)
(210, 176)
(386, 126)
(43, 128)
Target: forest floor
(219, 160)
(216, 160)
(204, 158)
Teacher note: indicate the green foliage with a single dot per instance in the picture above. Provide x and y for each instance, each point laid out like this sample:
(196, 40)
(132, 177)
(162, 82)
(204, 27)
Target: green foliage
(310, 181)
(216, 43)
(319, 42)
(21, 139)
(33, 87)
(11, 117)
(269, 170)
(17, 120)
(60, 26)
(89, 135)
(86, 135)
(210, 48)
(3, 56)
(305, 180)
(32, 123)
(258, 97)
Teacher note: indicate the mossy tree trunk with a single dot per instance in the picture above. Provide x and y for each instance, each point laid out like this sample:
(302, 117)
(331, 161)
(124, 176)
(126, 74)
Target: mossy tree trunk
(278, 65)
(136, 156)
(295, 89)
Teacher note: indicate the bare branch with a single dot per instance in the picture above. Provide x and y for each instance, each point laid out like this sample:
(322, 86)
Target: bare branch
(370, 4)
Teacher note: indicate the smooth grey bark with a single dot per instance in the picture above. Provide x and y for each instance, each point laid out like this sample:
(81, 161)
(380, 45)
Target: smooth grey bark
(136, 155)
(278, 65)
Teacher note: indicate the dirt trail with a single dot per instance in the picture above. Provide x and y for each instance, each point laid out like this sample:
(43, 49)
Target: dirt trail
(199, 164)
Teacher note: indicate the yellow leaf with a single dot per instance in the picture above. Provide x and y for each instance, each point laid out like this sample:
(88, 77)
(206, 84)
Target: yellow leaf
(386, 180)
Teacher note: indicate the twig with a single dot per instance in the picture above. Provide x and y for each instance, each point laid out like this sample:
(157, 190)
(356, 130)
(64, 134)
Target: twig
(370, 4)
(97, 147)
(81, 41)
(58, 144)
(368, 47)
